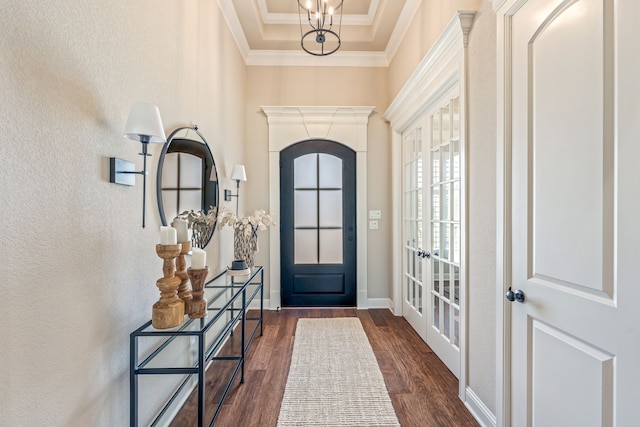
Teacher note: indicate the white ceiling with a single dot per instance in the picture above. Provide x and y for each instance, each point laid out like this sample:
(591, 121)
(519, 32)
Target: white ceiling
(268, 31)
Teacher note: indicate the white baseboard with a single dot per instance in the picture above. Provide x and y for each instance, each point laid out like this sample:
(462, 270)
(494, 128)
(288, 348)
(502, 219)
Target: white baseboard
(255, 304)
(478, 409)
(379, 303)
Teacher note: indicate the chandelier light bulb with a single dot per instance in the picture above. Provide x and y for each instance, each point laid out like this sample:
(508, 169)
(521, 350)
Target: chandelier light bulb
(308, 4)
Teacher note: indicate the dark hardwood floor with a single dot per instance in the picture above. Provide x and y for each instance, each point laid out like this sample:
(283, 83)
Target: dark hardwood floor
(422, 389)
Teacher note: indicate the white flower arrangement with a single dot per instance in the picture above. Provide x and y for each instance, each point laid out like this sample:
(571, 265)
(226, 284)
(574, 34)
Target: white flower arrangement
(249, 225)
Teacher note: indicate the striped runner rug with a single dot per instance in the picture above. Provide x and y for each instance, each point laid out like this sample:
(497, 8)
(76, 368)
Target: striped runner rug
(334, 379)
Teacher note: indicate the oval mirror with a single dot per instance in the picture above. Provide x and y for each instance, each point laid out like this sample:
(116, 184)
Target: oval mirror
(187, 178)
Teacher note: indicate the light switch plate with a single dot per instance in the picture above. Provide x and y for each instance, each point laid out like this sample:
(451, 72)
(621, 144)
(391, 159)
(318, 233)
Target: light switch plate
(373, 225)
(375, 214)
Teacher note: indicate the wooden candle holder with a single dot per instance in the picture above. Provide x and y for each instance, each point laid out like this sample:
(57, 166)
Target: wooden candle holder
(198, 307)
(168, 312)
(184, 292)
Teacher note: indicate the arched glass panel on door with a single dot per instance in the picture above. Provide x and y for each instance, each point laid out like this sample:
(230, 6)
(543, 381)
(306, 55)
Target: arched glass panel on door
(318, 227)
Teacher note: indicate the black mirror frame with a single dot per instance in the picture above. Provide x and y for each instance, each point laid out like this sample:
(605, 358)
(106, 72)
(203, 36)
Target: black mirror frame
(176, 144)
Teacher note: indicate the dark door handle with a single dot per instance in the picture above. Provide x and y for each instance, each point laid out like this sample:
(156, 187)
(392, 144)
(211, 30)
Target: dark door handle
(424, 254)
(518, 295)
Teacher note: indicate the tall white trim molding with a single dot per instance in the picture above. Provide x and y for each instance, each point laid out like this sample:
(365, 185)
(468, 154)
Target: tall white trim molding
(346, 125)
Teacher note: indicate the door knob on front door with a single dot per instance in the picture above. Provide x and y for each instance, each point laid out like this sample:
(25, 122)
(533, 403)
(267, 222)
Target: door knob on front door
(518, 295)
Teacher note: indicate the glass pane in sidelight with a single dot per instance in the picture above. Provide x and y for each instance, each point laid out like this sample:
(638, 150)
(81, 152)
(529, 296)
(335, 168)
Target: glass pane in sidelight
(419, 234)
(331, 247)
(305, 171)
(436, 276)
(446, 241)
(455, 159)
(436, 312)
(305, 247)
(455, 200)
(418, 274)
(446, 330)
(330, 208)
(190, 171)
(435, 239)
(420, 298)
(435, 203)
(305, 209)
(456, 285)
(446, 163)
(330, 171)
(446, 123)
(435, 166)
(170, 170)
(446, 200)
(435, 130)
(455, 117)
(456, 243)
(456, 327)
(445, 279)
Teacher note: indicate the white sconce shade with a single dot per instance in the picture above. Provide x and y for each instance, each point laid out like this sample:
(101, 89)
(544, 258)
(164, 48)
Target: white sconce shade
(238, 173)
(144, 123)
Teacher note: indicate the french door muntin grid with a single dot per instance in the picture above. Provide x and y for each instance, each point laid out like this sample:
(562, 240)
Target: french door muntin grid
(326, 188)
(413, 212)
(187, 168)
(445, 221)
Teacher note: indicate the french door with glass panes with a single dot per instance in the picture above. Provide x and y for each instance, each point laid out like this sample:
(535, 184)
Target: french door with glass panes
(445, 232)
(433, 235)
(414, 300)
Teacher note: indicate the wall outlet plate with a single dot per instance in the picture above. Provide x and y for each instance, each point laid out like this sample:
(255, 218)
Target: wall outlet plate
(373, 225)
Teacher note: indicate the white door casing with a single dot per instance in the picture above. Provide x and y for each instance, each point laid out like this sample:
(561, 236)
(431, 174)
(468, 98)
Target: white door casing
(443, 69)
(569, 203)
(346, 125)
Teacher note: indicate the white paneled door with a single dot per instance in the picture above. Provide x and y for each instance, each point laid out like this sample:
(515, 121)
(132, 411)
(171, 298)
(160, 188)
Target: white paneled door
(432, 236)
(573, 234)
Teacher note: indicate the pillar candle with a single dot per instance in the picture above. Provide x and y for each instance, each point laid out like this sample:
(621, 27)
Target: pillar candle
(168, 236)
(198, 259)
(182, 229)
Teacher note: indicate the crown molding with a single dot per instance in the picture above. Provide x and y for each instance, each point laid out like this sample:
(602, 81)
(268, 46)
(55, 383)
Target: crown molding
(290, 58)
(294, 19)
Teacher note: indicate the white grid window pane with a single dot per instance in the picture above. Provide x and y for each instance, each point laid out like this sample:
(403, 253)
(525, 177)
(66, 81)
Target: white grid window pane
(330, 208)
(305, 171)
(330, 171)
(305, 208)
(170, 170)
(305, 247)
(170, 203)
(190, 200)
(331, 247)
(190, 171)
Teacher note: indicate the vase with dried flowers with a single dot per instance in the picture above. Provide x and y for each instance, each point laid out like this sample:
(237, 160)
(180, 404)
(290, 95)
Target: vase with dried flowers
(245, 232)
(202, 225)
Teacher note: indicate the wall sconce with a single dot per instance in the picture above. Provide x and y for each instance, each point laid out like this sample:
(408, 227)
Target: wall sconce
(238, 174)
(145, 125)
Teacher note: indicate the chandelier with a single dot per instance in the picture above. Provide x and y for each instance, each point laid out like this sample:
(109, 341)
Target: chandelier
(318, 37)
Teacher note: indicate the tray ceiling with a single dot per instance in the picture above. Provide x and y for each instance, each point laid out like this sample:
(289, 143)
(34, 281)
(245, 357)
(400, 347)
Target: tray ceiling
(268, 31)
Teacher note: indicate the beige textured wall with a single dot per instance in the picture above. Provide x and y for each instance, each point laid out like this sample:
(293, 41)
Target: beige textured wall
(482, 206)
(320, 86)
(78, 271)
(427, 25)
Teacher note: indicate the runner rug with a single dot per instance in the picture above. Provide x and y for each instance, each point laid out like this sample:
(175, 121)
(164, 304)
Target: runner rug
(334, 379)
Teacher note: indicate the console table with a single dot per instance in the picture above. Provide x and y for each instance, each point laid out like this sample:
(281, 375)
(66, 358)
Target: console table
(228, 299)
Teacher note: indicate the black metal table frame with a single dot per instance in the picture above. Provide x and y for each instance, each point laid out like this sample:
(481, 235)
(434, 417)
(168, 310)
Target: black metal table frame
(238, 314)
